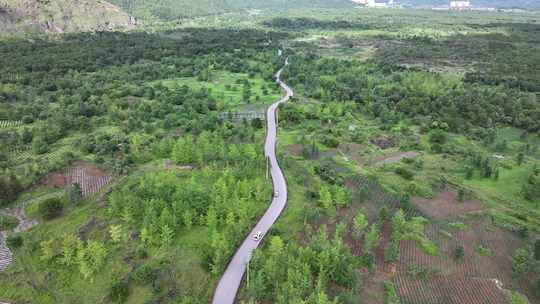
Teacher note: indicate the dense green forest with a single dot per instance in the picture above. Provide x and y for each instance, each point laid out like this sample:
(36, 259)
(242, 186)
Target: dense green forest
(101, 98)
(170, 10)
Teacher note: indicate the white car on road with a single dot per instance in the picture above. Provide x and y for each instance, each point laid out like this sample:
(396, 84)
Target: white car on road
(257, 236)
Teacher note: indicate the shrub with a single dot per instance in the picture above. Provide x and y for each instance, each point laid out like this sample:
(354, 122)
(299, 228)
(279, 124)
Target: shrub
(437, 137)
(39, 146)
(14, 241)
(74, 193)
(51, 208)
(459, 253)
(141, 252)
(10, 187)
(330, 141)
(27, 119)
(390, 295)
(531, 190)
(8, 222)
(521, 262)
(119, 292)
(461, 195)
(257, 123)
(405, 173)
(518, 298)
(537, 252)
(436, 148)
(144, 274)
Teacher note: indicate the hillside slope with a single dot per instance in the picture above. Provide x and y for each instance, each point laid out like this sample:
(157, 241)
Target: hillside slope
(61, 16)
(172, 9)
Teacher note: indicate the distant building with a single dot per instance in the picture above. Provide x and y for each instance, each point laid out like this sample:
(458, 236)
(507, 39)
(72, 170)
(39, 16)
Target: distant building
(460, 5)
(375, 3)
(363, 2)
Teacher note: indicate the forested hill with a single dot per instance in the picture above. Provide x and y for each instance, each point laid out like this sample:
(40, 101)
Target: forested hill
(530, 4)
(172, 9)
(61, 16)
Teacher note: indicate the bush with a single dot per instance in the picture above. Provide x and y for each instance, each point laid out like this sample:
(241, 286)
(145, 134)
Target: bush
(141, 252)
(8, 222)
(119, 292)
(459, 253)
(531, 190)
(437, 137)
(405, 173)
(10, 187)
(74, 193)
(144, 275)
(390, 295)
(537, 252)
(39, 146)
(330, 141)
(51, 208)
(14, 241)
(518, 298)
(27, 119)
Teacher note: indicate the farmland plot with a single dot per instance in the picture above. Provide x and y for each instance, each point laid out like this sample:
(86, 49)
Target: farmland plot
(479, 276)
(20, 153)
(90, 179)
(10, 123)
(450, 290)
(497, 245)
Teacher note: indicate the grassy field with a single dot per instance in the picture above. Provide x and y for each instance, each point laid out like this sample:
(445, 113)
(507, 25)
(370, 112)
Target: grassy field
(228, 88)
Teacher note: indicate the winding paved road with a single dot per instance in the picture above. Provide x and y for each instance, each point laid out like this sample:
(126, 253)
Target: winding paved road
(230, 281)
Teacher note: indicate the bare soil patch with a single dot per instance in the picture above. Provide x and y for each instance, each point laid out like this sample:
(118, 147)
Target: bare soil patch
(89, 177)
(54, 179)
(448, 273)
(296, 149)
(450, 290)
(394, 157)
(373, 286)
(352, 150)
(384, 241)
(446, 205)
(383, 142)
(170, 165)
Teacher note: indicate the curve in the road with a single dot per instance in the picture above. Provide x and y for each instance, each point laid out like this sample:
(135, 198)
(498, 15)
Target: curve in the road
(232, 277)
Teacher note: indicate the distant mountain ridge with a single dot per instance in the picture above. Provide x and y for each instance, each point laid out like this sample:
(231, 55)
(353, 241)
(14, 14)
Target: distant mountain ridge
(61, 16)
(173, 9)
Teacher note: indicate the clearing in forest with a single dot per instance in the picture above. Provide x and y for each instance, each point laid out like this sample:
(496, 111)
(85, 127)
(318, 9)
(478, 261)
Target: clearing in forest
(90, 178)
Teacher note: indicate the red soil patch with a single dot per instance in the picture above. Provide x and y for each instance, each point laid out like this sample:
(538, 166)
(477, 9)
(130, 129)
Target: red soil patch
(54, 179)
(373, 286)
(354, 245)
(497, 265)
(450, 290)
(383, 143)
(90, 178)
(384, 241)
(394, 157)
(352, 151)
(528, 287)
(446, 205)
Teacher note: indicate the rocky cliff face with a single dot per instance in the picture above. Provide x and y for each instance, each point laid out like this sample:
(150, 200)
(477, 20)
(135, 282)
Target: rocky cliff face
(58, 16)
